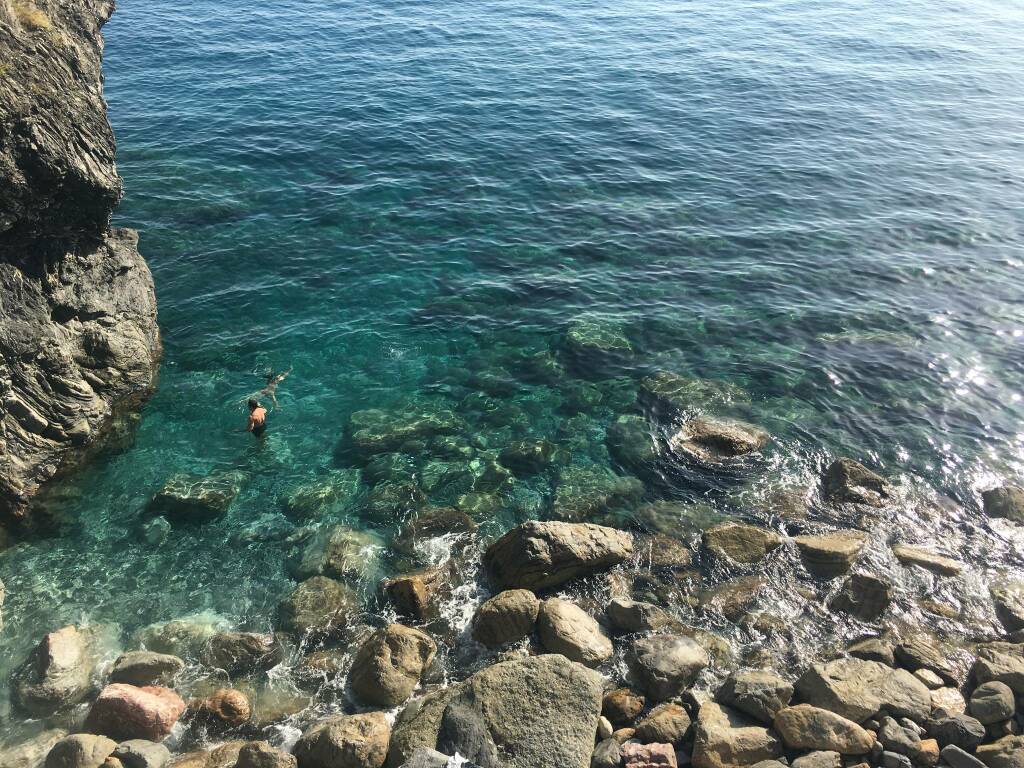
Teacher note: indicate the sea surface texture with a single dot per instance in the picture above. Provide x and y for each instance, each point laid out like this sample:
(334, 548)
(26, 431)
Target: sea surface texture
(494, 221)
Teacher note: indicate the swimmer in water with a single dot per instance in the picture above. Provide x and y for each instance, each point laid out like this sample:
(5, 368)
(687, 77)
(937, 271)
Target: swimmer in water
(257, 418)
(272, 381)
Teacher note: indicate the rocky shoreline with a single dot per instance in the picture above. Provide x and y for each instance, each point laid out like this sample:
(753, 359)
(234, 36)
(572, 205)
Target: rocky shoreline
(79, 344)
(560, 680)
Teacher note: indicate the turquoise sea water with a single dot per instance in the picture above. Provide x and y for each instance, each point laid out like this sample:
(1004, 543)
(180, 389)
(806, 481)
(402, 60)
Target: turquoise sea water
(819, 203)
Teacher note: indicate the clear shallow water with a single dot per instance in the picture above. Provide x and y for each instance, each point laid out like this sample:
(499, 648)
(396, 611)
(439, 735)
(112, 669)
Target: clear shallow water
(822, 205)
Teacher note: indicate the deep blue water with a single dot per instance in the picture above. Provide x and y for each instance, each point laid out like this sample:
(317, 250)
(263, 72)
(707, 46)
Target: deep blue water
(819, 203)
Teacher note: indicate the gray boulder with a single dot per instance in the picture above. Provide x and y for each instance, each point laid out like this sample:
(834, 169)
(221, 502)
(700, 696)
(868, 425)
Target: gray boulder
(962, 731)
(992, 702)
(388, 666)
(538, 555)
(57, 673)
(607, 754)
(418, 724)
(567, 629)
(636, 616)
(196, 498)
(538, 712)
(145, 668)
(863, 596)
(1006, 501)
(831, 555)
(664, 665)
(1008, 598)
(807, 727)
(955, 757)
(1007, 752)
(1003, 662)
(260, 754)
(424, 757)
(858, 690)
(344, 741)
(506, 618)
(759, 694)
(137, 753)
(81, 750)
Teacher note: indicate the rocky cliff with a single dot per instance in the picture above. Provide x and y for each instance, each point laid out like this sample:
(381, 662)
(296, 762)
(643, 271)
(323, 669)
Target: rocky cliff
(78, 333)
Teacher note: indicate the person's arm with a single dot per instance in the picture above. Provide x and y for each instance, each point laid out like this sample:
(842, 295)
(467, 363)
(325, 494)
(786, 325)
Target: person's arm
(250, 425)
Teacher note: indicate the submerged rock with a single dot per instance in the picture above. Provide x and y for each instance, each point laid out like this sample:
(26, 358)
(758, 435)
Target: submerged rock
(1006, 501)
(538, 712)
(57, 673)
(223, 709)
(145, 668)
(317, 497)
(739, 542)
(32, 752)
(594, 338)
(849, 482)
(243, 652)
(431, 523)
(317, 607)
(713, 441)
(633, 444)
(670, 394)
(185, 637)
(925, 558)
(1008, 598)
(538, 555)
(637, 616)
(339, 552)
(388, 666)
(863, 596)
(527, 457)
(196, 498)
(127, 712)
(585, 491)
(506, 618)
(378, 431)
(345, 741)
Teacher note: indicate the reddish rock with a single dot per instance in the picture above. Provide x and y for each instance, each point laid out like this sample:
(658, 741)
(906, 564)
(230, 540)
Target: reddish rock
(125, 712)
(649, 756)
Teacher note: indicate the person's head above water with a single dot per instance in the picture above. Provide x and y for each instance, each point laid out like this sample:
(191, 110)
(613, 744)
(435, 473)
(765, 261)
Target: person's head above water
(253, 403)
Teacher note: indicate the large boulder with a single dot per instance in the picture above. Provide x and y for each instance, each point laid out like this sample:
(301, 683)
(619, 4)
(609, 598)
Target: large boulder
(740, 542)
(831, 555)
(537, 555)
(538, 712)
(243, 652)
(1008, 598)
(376, 431)
(664, 665)
(1002, 662)
(725, 738)
(57, 673)
(506, 618)
(317, 497)
(139, 753)
(859, 689)
(345, 741)
(196, 498)
(1007, 752)
(758, 693)
(80, 750)
(260, 754)
(388, 666)
(318, 607)
(1006, 501)
(863, 596)
(127, 712)
(145, 668)
(849, 482)
(715, 441)
(32, 752)
(808, 727)
(992, 702)
(222, 710)
(567, 629)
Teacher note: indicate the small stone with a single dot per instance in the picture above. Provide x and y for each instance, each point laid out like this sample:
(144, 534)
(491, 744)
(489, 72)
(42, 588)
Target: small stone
(739, 542)
(849, 482)
(1006, 501)
(649, 756)
(833, 554)
(604, 728)
(413, 594)
(665, 724)
(138, 753)
(145, 668)
(992, 702)
(506, 618)
(925, 558)
(895, 760)
(567, 629)
(622, 706)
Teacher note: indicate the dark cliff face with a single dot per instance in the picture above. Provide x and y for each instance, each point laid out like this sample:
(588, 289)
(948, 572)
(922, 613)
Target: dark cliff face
(78, 333)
